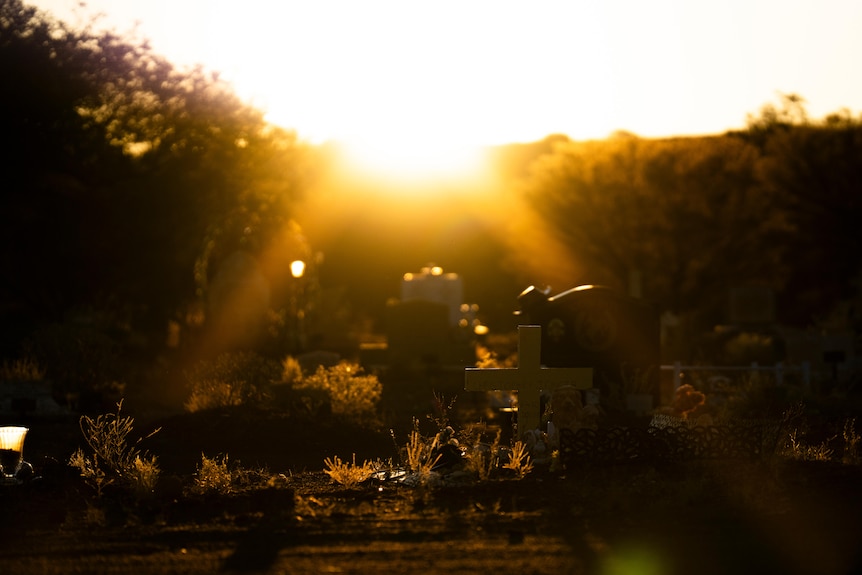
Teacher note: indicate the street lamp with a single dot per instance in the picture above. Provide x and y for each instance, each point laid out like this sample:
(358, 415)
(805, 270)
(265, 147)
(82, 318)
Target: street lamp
(297, 270)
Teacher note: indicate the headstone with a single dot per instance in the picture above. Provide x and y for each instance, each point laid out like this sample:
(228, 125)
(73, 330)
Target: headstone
(529, 379)
(418, 332)
(432, 284)
(593, 326)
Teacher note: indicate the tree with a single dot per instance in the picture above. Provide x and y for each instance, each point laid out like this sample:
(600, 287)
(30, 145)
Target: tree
(123, 169)
(814, 172)
(680, 212)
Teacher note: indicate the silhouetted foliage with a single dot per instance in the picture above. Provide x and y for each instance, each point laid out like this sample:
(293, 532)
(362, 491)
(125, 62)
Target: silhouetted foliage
(122, 172)
(776, 205)
(679, 212)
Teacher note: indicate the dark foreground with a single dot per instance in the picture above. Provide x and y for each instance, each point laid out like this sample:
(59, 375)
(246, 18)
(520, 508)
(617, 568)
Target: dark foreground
(728, 517)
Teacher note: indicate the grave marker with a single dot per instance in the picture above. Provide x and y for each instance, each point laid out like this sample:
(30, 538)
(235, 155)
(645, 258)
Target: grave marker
(529, 379)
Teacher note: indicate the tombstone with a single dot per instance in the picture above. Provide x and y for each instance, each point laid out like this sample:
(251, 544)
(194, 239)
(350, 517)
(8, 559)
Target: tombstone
(432, 284)
(593, 326)
(418, 332)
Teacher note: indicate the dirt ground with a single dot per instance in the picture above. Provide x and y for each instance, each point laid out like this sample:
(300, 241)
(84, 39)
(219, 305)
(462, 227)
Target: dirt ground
(690, 517)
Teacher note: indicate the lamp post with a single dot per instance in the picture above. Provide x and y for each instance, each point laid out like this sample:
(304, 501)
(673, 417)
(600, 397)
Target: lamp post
(297, 270)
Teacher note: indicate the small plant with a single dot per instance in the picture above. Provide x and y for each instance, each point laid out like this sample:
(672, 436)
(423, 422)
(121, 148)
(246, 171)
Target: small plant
(519, 460)
(231, 379)
(852, 443)
(483, 459)
(443, 409)
(347, 474)
(22, 370)
(353, 394)
(419, 453)
(213, 476)
(145, 477)
(799, 449)
(291, 371)
(112, 460)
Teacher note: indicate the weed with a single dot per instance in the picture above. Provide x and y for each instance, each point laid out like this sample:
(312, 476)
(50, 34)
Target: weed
(112, 460)
(232, 379)
(802, 451)
(291, 371)
(519, 460)
(419, 453)
(213, 476)
(347, 474)
(352, 394)
(145, 477)
(852, 443)
(482, 459)
(443, 409)
(22, 370)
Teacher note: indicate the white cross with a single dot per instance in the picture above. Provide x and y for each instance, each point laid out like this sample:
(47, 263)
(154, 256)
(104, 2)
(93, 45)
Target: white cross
(529, 379)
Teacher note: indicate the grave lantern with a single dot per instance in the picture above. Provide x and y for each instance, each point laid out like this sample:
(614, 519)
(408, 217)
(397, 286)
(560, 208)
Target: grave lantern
(12, 453)
(598, 327)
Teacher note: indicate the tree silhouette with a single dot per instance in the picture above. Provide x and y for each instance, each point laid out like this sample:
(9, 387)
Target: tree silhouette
(679, 212)
(120, 170)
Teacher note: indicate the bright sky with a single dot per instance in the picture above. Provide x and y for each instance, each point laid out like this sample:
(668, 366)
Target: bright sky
(476, 72)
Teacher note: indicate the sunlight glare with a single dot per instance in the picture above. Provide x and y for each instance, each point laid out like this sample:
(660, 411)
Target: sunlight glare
(412, 160)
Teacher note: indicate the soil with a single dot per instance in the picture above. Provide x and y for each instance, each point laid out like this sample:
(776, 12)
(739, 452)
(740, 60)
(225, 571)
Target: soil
(288, 517)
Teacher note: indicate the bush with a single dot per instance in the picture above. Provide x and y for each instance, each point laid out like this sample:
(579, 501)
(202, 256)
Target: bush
(21, 370)
(351, 393)
(232, 379)
(213, 477)
(111, 459)
(348, 474)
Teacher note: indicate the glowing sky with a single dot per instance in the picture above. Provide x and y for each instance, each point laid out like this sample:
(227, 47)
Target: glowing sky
(489, 72)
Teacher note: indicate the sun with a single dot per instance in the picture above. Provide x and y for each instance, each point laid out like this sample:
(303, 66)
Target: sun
(412, 159)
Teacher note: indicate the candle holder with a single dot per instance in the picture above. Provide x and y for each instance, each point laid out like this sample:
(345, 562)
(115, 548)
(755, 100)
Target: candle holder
(12, 453)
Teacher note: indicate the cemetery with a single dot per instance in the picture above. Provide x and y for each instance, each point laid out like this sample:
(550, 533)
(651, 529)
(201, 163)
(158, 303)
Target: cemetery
(572, 475)
(228, 346)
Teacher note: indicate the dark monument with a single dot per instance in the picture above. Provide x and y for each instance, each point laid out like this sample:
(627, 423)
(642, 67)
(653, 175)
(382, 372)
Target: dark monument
(597, 327)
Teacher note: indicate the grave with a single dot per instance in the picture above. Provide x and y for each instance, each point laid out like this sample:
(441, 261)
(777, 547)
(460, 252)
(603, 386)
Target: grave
(529, 379)
(593, 326)
(579, 438)
(426, 326)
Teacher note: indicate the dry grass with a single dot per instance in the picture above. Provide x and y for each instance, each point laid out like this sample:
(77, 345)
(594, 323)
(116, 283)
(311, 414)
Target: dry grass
(519, 460)
(348, 474)
(213, 476)
(111, 458)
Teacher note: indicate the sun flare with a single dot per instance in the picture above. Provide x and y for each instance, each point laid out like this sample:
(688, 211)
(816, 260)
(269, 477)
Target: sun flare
(412, 160)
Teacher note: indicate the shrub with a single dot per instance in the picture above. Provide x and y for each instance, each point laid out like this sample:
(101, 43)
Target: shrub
(852, 442)
(347, 474)
(231, 379)
(112, 460)
(352, 394)
(22, 370)
(519, 460)
(291, 371)
(213, 476)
